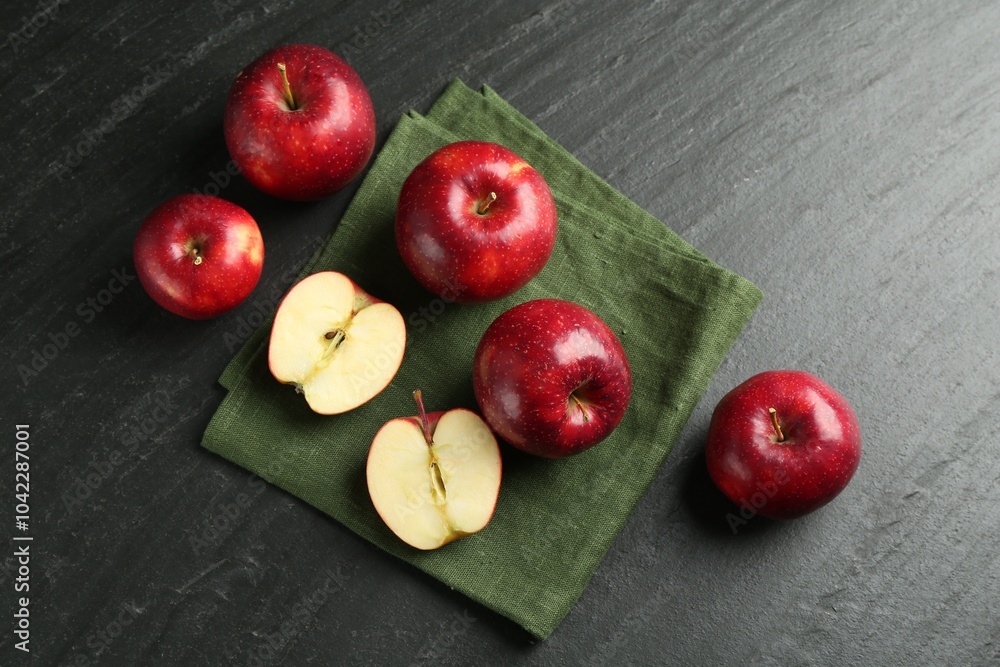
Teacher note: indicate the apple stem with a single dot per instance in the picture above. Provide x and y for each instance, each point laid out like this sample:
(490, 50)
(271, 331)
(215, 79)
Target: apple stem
(196, 256)
(289, 98)
(583, 409)
(485, 206)
(418, 396)
(776, 425)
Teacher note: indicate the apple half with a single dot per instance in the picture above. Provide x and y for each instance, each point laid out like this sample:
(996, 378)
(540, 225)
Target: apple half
(435, 477)
(336, 343)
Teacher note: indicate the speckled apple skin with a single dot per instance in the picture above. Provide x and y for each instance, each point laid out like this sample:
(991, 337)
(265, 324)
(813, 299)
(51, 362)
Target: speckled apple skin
(311, 151)
(816, 460)
(229, 242)
(532, 358)
(455, 252)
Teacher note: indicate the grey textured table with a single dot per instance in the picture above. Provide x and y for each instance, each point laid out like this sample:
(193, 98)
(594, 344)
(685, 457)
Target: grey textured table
(844, 156)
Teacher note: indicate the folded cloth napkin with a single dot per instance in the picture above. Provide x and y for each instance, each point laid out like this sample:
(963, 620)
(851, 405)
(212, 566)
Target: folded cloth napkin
(676, 313)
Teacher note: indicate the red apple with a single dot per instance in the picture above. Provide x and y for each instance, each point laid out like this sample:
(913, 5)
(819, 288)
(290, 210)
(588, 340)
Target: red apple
(198, 256)
(551, 378)
(299, 122)
(475, 222)
(783, 444)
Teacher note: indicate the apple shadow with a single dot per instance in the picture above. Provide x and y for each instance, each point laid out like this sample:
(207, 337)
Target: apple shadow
(711, 512)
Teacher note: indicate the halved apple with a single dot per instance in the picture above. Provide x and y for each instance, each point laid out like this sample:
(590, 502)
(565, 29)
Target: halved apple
(336, 343)
(434, 478)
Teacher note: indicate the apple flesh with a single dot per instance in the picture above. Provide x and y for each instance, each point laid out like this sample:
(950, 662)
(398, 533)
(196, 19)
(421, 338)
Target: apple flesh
(435, 477)
(783, 443)
(475, 222)
(551, 378)
(337, 344)
(198, 256)
(299, 122)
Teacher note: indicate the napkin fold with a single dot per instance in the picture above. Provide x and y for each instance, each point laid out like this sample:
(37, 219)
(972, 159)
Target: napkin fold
(676, 313)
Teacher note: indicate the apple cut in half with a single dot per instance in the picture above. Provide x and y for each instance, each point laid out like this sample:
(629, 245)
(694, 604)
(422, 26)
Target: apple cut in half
(336, 343)
(436, 477)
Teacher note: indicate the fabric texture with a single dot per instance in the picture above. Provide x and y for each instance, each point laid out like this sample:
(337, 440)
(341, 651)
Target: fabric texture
(676, 313)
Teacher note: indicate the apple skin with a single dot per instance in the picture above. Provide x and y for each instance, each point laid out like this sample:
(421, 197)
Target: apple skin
(181, 230)
(529, 364)
(460, 254)
(313, 150)
(432, 419)
(815, 461)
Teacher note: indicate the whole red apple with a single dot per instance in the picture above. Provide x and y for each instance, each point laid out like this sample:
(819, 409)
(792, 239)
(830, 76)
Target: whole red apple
(783, 444)
(551, 378)
(198, 256)
(299, 122)
(475, 222)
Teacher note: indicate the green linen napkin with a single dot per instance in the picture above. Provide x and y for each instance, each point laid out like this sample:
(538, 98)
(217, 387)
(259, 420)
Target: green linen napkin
(676, 313)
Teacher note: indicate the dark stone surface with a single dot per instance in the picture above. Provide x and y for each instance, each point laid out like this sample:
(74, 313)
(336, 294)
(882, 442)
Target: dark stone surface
(844, 156)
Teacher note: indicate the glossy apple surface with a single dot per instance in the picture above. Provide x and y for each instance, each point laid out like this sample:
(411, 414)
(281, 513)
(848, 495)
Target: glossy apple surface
(434, 478)
(305, 140)
(338, 345)
(551, 378)
(788, 462)
(198, 256)
(475, 222)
